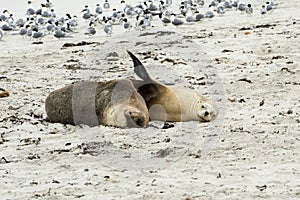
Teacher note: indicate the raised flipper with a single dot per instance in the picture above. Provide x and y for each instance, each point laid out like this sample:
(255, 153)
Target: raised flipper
(139, 68)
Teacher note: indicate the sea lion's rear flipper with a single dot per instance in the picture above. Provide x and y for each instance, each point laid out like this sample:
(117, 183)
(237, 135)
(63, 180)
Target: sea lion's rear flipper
(139, 68)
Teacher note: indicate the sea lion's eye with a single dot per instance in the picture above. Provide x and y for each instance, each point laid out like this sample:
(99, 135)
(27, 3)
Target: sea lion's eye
(202, 106)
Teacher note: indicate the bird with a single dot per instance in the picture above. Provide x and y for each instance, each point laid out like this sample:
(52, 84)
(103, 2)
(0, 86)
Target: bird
(151, 6)
(126, 24)
(36, 34)
(175, 21)
(183, 10)
(140, 23)
(165, 19)
(1, 34)
(45, 12)
(263, 10)
(50, 26)
(30, 11)
(72, 21)
(59, 33)
(91, 29)
(20, 22)
(200, 2)
(29, 31)
(220, 10)
(5, 15)
(249, 9)
(241, 6)
(53, 15)
(269, 6)
(227, 4)
(107, 28)
(23, 30)
(86, 13)
(48, 4)
(4, 25)
(106, 5)
(198, 16)
(98, 9)
(210, 13)
(190, 18)
(169, 2)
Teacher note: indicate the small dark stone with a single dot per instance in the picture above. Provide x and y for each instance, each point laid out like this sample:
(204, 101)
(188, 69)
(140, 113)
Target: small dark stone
(167, 126)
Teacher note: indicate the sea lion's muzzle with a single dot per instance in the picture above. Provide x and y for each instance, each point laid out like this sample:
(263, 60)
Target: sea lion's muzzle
(137, 119)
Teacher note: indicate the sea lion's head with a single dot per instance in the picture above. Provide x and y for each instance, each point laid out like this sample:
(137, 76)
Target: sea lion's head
(127, 107)
(127, 116)
(207, 110)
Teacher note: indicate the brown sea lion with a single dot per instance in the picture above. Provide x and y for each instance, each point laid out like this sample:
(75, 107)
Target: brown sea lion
(113, 103)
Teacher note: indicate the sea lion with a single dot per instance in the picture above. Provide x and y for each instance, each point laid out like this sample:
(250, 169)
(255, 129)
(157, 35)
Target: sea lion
(113, 103)
(172, 103)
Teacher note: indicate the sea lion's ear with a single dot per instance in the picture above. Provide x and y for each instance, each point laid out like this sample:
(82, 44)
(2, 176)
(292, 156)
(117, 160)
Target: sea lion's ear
(139, 68)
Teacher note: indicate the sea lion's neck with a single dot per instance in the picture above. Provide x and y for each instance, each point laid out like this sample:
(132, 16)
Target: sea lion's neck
(193, 109)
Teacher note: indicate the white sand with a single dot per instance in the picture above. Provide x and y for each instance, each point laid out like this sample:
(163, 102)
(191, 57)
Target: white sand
(250, 152)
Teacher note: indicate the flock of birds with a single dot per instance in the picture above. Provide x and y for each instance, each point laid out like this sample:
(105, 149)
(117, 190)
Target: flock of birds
(43, 21)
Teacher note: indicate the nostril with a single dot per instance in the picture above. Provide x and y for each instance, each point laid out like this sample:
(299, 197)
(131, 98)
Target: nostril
(136, 118)
(140, 122)
(206, 113)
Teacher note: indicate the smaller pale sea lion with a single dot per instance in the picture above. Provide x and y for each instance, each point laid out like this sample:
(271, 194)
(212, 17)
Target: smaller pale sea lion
(172, 103)
(113, 103)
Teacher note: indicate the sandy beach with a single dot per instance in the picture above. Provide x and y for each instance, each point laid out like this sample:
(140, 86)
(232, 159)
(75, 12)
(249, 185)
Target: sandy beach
(247, 64)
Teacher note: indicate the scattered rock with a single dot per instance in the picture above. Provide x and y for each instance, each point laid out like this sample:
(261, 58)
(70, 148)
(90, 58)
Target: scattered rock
(261, 188)
(72, 66)
(278, 57)
(55, 181)
(112, 54)
(162, 153)
(167, 126)
(173, 61)
(82, 43)
(265, 26)
(40, 42)
(196, 155)
(262, 102)
(33, 156)
(285, 69)
(73, 60)
(29, 141)
(232, 99)
(245, 29)
(227, 50)
(3, 160)
(246, 80)
(242, 101)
